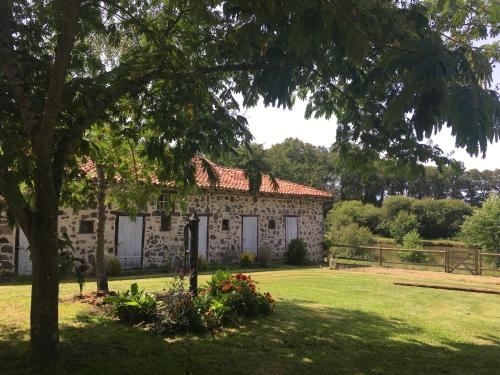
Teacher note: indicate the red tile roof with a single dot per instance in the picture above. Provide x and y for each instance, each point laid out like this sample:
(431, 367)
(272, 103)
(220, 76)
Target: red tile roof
(233, 179)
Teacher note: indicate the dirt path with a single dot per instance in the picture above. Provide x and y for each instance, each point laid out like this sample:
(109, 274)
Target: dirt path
(428, 275)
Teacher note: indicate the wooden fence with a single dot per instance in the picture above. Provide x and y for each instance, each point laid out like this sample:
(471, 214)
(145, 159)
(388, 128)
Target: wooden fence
(447, 260)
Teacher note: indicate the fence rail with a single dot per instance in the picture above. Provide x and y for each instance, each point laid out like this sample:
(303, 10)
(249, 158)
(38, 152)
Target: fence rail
(449, 260)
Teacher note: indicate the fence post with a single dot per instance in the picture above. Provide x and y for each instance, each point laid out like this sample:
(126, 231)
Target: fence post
(476, 262)
(446, 260)
(480, 263)
(380, 255)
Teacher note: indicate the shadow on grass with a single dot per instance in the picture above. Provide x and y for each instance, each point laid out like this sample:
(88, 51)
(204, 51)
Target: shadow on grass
(298, 338)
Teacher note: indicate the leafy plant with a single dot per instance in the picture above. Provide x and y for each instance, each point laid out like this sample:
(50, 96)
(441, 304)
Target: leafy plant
(68, 263)
(202, 264)
(296, 252)
(178, 310)
(247, 259)
(402, 224)
(351, 234)
(239, 293)
(413, 240)
(347, 212)
(133, 306)
(264, 256)
(482, 229)
(113, 266)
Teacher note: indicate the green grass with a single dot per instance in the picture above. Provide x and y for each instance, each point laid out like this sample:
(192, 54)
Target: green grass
(326, 322)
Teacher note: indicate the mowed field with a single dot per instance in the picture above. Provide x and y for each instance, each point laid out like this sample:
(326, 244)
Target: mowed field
(327, 322)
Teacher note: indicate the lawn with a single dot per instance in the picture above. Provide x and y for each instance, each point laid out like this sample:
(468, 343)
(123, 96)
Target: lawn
(327, 322)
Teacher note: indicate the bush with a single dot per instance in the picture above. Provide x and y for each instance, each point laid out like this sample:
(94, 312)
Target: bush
(238, 293)
(413, 240)
(296, 252)
(351, 234)
(391, 207)
(264, 256)
(133, 306)
(482, 229)
(177, 310)
(348, 212)
(113, 266)
(402, 224)
(440, 218)
(203, 264)
(247, 259)
(225, 298)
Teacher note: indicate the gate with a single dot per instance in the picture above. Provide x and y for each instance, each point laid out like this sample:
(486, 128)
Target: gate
(462, 260)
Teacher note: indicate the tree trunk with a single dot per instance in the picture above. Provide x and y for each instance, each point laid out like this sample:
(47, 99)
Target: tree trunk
(100, 266)
(45, 288)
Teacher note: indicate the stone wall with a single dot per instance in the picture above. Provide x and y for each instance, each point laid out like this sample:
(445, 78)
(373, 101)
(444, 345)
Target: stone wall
(7, 247)
(167, 247)
(84, 244)
(225, 245)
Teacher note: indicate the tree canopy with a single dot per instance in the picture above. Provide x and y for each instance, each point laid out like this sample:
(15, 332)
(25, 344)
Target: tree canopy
(372, 179)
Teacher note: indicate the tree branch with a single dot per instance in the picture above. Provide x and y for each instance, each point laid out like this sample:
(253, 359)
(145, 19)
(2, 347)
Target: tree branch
(60, 68)
(12, 69)
(99, 104)
(16, 203)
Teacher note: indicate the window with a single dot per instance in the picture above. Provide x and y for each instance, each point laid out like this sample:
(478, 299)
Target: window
(225, 224)
(164, 203)
(86, 226)
(166, 223)
(271, 224)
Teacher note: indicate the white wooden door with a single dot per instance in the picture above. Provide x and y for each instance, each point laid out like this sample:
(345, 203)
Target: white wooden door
(25, 267)
(249, 234)
(203, 237)
(291, 228)
(130, 241)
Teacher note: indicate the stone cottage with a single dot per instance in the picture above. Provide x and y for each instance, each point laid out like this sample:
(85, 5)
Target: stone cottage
(232, 220)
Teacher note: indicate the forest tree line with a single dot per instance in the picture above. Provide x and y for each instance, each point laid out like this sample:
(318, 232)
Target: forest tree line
(364, 177)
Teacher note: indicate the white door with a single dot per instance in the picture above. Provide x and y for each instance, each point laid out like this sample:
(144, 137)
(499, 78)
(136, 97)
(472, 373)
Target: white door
(249, 234)
(203, 237)
(24, 265)
(290, 228)
(130, 241)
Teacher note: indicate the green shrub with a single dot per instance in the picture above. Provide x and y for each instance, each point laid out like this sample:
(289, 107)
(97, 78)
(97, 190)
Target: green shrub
(133, 306)
(347, 212)
(402, 224)
(202, 264)
(296, 252)
(225, 298)
(351, 234)
(482, 229)
(440, 218)
(264, 256)
(413, 240)
(247, 259)
(177, 310)
(391, 207)
(113, 266)
(237, 292)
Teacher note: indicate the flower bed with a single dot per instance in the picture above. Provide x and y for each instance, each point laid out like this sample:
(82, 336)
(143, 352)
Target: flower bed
(225, 299)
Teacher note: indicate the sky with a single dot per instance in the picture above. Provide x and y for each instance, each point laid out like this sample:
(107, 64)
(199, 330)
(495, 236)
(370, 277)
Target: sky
(272, 125)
